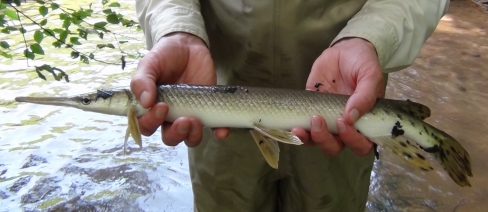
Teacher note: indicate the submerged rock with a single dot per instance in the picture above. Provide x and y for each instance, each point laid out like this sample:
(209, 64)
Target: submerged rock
(20, 183)
(43, 189)
(34, 160)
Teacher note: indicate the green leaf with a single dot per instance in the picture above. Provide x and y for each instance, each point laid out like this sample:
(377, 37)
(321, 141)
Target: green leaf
(74, 40)
(36, 48)
(58, 30)
(91, 56)
(22, 30)
(110, 46)
(100, 24)
(43, 10)
(11, 14)
(75, 54)
(114, 4)
(38, 36)
(29, 54)
(66, 23)
(40, 74)
(43, 22)
(108, 11)
(54, 6)
(100, 35)
(63, 35)
(6, 55)
(63, 16)
(101, 46)
(4, 45)
(113, 19)
(57, 44)
(82, 33)
(104, 2)
(2, 6)
(49, 32)
(84, 59)
(123, 41)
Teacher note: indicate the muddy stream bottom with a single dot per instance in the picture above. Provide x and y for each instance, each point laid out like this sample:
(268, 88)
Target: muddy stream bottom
(63, 159)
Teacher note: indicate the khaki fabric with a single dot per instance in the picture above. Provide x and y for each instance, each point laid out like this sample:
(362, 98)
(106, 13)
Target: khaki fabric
(274, 43)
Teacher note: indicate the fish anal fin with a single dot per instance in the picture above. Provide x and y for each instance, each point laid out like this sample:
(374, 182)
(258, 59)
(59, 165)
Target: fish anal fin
(279, 135)
(268, 147)
(404, 149)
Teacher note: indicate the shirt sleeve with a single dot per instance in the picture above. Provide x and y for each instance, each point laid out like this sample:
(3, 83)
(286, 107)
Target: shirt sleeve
(397, 28)
(161, 17)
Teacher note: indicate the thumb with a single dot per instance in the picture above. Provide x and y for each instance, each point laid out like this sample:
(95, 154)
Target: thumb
(364, 97)
(143, 83)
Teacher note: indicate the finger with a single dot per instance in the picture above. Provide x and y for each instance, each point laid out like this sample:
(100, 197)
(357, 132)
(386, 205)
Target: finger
(195, 135)
(143, 83)
(323, 138)
(353, 139)
(364, 96)
(150, 122)
(174, 133)
(221, 133)
(303, 135)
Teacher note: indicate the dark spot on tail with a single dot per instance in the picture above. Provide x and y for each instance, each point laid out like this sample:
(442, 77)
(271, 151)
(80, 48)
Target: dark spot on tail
(261, 142)
(432, 149)
(420, 156)
(407, 155)
(397, 130)
(317, 85)
(424, 169)
(403, 144)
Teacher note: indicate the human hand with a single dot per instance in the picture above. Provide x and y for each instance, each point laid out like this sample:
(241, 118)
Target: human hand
(175, 58)
(349, 67)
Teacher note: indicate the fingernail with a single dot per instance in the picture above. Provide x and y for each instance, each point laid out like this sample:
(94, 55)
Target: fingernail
(341, 126)
(194, 128)
(354, 115)
(145, 98)
(183, 127)
(160, 113)
(316, 125)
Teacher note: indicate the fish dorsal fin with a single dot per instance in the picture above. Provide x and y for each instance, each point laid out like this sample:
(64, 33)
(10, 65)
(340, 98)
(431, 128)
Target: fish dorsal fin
(279, 135)
(268, 147)
(405, 149)
(414, 109)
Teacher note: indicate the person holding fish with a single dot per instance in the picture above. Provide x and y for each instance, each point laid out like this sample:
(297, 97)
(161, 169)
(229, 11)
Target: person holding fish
(339, 46)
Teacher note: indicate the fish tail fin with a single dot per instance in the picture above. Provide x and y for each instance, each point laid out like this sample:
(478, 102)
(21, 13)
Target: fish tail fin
(454, 159)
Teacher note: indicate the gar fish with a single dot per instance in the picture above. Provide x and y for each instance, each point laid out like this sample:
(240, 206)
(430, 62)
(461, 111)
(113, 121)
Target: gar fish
(271, 113)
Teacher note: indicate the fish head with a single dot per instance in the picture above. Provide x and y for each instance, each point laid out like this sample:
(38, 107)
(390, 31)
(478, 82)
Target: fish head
(107, 101)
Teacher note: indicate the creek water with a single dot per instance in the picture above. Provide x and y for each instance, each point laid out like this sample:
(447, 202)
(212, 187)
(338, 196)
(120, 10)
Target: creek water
(53, 158)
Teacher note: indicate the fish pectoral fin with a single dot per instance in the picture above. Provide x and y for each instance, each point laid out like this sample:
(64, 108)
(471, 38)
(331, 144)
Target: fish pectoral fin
(279, 135)
(268, 147)
(133, 127)
(405, 149)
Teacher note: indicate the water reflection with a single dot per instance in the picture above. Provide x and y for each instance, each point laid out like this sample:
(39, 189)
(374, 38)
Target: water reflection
(54, 158)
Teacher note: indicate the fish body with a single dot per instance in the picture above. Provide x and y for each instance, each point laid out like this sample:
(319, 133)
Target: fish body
(271, 113)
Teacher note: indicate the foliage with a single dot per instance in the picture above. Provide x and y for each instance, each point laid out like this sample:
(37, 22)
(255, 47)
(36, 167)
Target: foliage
(74, 29)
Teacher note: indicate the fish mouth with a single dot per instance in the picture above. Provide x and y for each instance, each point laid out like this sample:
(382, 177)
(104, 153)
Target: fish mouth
(56, 101)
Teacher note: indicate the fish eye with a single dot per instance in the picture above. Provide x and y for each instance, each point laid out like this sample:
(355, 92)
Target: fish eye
(85, 100)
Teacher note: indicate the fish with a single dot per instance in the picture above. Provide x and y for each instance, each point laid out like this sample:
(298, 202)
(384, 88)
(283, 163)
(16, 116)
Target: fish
(269, 114)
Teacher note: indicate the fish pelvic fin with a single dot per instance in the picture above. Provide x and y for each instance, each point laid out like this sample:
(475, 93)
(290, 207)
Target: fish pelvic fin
(279, 135)
(454, 159)
(405, 149)
(268, 147)
(132, 128)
